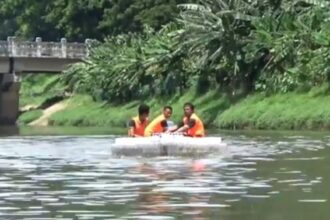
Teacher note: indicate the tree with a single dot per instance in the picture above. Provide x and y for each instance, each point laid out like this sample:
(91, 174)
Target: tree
(80, 19)
(77, 20)
(131, 15)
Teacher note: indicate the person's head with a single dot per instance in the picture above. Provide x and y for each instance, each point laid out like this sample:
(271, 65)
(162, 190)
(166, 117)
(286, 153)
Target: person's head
(167, 111)
(188, 109)
(143, 112)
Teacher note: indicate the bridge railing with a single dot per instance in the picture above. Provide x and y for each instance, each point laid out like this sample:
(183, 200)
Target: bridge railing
(17, 48)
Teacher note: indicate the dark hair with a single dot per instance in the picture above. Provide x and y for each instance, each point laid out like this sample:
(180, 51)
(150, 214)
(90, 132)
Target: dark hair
(190, 105)
(144, 109)
(168, 107)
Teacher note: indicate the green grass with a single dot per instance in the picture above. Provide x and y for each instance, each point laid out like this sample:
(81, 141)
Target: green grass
(83, 111)
(29, 116)
(298, 111)
(61, 130)
(37, 88)
(281, 112)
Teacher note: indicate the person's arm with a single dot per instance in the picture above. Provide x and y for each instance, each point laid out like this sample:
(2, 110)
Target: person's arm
(166, 128)
(173, 129)
(178, 127)
(182, 129)
(185, 128)
(131, 127)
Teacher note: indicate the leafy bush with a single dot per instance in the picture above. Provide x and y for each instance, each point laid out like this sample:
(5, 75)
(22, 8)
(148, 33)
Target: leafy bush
(237, 45)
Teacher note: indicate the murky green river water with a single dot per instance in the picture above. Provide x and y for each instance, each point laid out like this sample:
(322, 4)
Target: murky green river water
(266, 176)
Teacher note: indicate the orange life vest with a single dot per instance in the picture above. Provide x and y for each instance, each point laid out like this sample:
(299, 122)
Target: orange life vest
(198, 129)
(139, 126)
(155, 126)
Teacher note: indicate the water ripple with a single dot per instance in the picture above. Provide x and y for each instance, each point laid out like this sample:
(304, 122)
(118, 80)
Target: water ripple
(76, 178)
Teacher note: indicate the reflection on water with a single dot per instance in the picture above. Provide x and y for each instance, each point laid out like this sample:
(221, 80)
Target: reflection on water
(33, 131)
(75, 177)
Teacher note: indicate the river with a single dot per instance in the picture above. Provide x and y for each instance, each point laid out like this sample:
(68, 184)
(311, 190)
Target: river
(262, 175)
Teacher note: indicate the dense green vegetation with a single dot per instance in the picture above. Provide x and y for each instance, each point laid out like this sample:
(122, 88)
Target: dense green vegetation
(37, 89)
(81, 19)
(274, 52)
(235, 46)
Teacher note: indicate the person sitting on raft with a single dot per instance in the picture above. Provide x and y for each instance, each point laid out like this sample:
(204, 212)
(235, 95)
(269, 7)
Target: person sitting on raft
(159, 124)
(191, 124)
(138, 124)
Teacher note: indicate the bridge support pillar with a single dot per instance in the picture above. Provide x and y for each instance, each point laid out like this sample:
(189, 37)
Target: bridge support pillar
(9, 99)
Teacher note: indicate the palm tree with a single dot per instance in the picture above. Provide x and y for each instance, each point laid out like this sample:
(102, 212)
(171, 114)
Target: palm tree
(235, 40)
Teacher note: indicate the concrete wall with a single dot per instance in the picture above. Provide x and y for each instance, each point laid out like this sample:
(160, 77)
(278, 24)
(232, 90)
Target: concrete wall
(35, 64)
(42, 65)
(4, 65)
(9, 99)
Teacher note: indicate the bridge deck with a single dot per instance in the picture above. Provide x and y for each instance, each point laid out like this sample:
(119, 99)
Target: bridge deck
(17, 48)
(18, 56)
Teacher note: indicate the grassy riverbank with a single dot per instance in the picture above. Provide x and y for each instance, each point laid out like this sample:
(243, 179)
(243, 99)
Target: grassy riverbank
(38, 92)
(37, 89)
(309, 111)
(291, 111)
(83, 111)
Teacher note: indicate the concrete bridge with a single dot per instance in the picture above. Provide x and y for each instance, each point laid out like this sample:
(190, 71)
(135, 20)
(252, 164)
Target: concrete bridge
(19, 57)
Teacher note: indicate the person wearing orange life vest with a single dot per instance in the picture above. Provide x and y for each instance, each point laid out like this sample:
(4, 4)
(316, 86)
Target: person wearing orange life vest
(191, 124)
(160, 123)
(138, 124)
